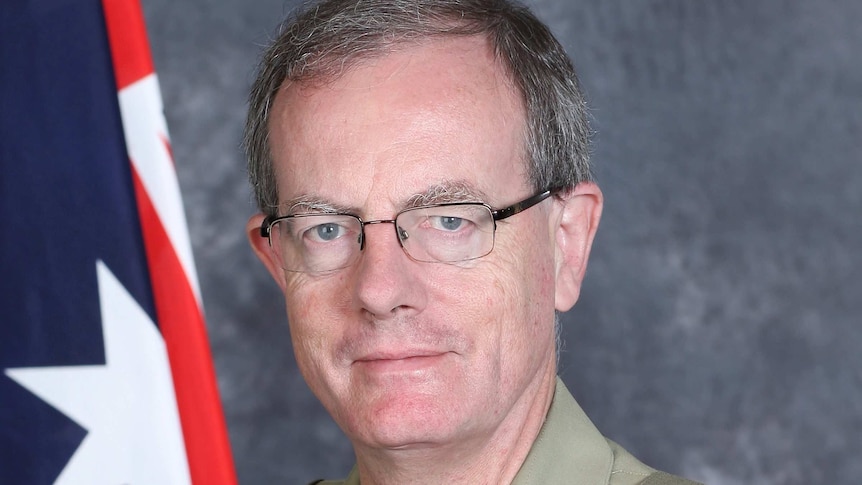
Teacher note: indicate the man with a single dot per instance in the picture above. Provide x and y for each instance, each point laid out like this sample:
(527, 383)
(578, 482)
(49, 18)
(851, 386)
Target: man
(460, 125)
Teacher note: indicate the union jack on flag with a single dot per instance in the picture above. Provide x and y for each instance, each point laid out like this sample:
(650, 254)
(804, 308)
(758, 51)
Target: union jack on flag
(106, 371)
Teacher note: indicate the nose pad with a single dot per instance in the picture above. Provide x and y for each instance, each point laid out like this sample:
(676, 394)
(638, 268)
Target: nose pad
(402, 234)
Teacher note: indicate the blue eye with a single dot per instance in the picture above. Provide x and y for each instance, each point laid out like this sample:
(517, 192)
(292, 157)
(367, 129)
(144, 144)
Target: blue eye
(450, 223)
(328, 232)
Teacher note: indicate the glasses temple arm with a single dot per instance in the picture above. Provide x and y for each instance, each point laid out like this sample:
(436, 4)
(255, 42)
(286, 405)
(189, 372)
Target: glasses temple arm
(521, 206)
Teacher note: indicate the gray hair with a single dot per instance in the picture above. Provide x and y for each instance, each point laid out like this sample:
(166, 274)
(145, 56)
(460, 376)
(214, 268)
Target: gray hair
(324, 40)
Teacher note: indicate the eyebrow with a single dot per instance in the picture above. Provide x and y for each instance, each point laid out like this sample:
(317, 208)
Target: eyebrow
(448, 191)
(307, 204)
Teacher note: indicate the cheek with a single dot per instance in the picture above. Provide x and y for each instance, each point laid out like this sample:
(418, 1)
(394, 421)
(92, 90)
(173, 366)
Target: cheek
(504, 301)
(313, 302)
(524, 273)
(525, 281)
(508, 323)
(312, 313)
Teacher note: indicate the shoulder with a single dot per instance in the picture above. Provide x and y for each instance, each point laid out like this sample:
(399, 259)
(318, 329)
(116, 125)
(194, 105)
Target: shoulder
(662, 478)
(628, 470)
(352, 479)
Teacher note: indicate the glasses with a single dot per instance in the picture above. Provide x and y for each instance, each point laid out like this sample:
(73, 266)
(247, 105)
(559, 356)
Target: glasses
(439, 233)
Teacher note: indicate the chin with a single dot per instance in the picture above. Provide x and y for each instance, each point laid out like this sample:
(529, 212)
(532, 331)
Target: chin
(404, 421)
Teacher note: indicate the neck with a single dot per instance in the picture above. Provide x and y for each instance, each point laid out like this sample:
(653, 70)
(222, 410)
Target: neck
(492, 458)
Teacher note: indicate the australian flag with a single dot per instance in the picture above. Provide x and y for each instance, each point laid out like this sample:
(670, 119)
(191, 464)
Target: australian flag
(105, 372)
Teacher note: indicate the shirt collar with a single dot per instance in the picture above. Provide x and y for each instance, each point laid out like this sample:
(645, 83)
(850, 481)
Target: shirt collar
(569, 449)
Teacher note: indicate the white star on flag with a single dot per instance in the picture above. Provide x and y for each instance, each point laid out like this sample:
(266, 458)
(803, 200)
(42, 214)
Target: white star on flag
(127, 405)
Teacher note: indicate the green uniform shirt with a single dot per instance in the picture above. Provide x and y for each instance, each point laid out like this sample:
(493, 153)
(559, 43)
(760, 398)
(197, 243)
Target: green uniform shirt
(570, 450)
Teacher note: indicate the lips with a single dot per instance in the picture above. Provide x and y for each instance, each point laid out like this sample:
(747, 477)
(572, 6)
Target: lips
(397, 355)
(401, 361)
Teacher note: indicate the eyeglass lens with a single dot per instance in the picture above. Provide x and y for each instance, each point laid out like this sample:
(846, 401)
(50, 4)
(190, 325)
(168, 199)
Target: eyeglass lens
(325, 242)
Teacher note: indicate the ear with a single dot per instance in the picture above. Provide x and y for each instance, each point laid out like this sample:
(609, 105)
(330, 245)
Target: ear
(263, 250)
(576, 222)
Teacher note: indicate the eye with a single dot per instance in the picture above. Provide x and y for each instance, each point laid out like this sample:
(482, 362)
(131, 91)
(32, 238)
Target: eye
(446, 223)
(318, 233)
(326, 232)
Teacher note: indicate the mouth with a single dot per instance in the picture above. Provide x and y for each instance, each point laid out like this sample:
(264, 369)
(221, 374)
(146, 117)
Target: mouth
(395, 362)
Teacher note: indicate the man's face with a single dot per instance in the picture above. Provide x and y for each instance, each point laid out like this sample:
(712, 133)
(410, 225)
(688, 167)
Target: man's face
(404, 353)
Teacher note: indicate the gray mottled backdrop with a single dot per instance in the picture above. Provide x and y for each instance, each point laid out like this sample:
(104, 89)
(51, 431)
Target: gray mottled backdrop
(718, 334)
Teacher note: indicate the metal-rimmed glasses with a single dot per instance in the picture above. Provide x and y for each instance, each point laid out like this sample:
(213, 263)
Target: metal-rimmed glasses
(438, 233)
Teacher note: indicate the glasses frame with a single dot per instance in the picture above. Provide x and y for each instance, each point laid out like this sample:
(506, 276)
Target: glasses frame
(496, 215)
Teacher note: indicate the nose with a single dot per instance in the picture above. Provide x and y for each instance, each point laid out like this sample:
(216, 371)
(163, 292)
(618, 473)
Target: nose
(388, 283)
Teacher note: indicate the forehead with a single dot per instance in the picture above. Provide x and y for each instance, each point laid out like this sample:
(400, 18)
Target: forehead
(439, 112)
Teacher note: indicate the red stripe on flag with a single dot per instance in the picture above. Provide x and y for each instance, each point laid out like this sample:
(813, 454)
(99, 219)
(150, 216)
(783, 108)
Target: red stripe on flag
(128, 37)
(179, 316)
(182, 326)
